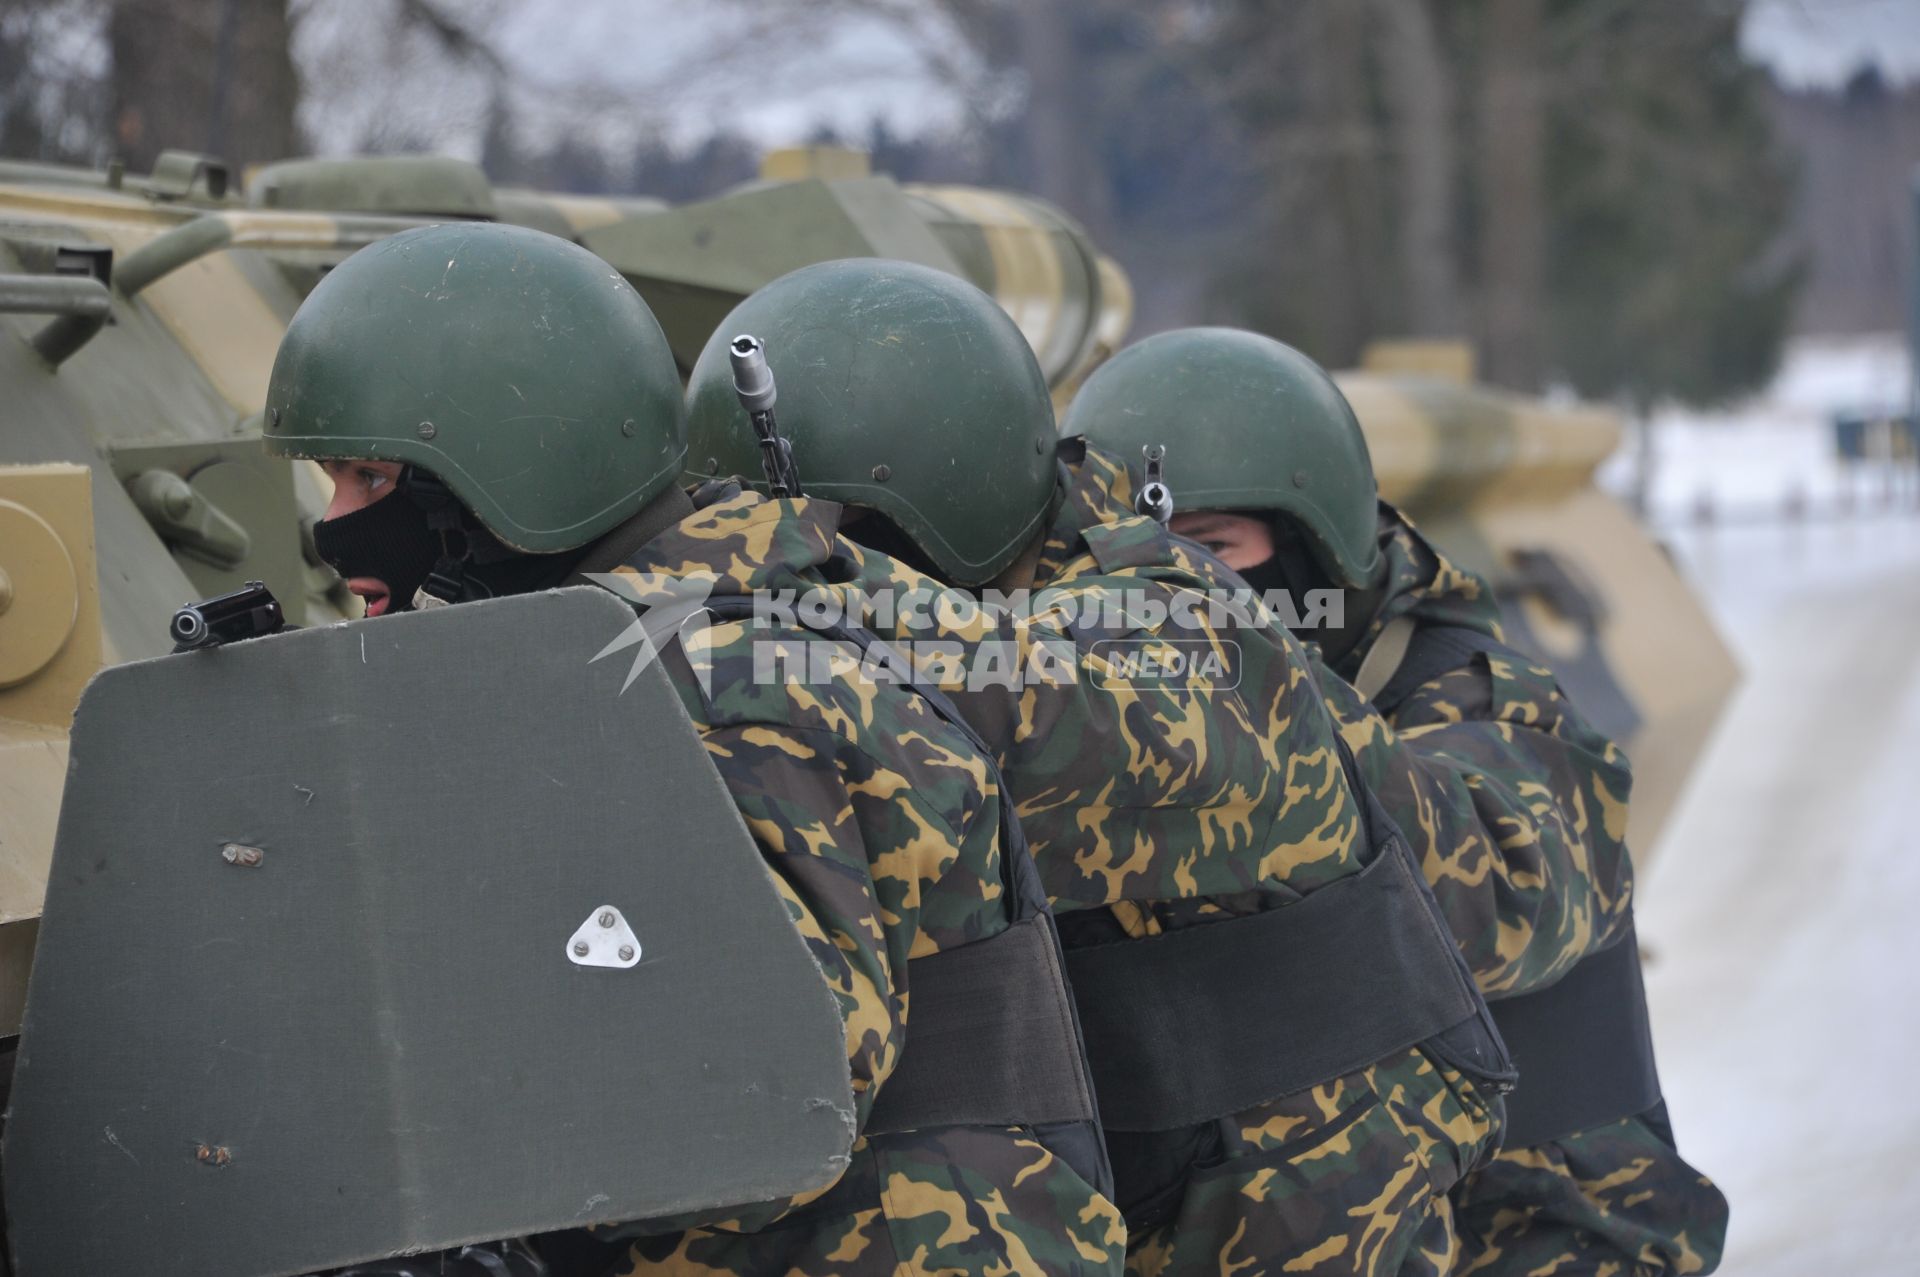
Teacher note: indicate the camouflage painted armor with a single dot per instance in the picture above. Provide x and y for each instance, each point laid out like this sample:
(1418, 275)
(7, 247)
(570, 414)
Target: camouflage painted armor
(1522, 809)
(879, 822)
(1159, 807)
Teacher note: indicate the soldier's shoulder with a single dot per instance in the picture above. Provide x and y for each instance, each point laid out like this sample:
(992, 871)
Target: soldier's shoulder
(742, 539)
(784, 701)
(829, 693)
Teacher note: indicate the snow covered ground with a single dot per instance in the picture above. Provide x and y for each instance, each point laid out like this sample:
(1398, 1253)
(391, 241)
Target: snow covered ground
(1782, 917)
(1775, 454)
(1783, 914)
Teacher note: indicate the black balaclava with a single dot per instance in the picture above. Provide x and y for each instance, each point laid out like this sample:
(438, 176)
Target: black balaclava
(419, 531)
(388, 539)
(1293, 568)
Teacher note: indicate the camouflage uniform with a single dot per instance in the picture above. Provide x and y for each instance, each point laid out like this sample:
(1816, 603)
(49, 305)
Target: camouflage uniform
(1167, 806)
(1521, 808)
(879, 822)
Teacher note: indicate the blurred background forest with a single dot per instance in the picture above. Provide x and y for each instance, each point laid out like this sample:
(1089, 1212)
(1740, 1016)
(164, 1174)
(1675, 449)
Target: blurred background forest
(1611, 196)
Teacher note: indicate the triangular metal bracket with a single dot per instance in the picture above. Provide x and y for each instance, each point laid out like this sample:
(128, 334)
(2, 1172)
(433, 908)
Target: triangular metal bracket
(604, 940)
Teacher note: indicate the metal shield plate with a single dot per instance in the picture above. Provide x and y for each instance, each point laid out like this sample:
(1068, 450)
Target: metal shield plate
(306, 993)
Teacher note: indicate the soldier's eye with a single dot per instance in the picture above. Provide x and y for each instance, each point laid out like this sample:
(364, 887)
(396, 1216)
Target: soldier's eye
(373, 480)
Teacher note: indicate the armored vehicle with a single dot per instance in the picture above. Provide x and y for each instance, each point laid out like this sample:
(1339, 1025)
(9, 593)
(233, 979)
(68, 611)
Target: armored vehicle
(1505, 485)
(145, 311)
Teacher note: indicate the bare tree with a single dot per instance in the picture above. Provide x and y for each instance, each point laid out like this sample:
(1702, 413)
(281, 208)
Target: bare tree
(1065, 169)
(202, 76)
(1510, 139)
(51, 64)
(1418, 84)
(1343, 199)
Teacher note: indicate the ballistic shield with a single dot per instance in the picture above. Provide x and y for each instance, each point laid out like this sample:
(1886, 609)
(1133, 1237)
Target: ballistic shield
(320, 978)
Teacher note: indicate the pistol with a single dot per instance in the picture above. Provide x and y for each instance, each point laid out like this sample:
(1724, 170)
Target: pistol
(248, 612)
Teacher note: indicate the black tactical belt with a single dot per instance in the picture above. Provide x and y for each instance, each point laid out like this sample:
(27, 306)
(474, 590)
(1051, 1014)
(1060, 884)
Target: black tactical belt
(1209, 1020)
(1584, 1048)
(990, 1039)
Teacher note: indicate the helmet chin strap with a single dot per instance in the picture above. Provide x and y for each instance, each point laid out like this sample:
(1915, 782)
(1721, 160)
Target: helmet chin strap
(447, 582)
(473, 563)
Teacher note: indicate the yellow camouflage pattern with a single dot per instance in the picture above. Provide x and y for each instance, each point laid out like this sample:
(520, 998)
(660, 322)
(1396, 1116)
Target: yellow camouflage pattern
(1613, 1201)
(1516, 804)
(1519, 809)
(1151, 808)
(879, 822)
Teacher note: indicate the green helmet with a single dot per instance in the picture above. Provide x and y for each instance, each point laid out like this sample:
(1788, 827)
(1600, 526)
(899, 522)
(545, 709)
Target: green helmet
(902, 390)
(1249, 424)
(520, 370)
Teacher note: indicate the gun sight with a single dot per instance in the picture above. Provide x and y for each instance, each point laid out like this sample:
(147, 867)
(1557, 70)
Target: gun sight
(1155, 498)
(753, 382)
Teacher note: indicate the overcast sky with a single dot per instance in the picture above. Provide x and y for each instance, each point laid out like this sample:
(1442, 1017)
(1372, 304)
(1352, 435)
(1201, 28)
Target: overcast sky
(1822, 42)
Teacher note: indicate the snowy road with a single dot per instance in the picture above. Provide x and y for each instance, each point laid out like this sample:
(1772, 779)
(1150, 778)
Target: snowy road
(1783, 918)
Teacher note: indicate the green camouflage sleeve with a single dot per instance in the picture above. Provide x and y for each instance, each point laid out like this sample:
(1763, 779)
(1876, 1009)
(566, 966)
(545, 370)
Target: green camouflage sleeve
(1172, 797)
(1517, 808)
(1517, 804)
(879, 826)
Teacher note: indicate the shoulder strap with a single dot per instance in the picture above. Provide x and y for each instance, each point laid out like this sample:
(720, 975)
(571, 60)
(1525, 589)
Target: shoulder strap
(1430, 651)
(1384, 657)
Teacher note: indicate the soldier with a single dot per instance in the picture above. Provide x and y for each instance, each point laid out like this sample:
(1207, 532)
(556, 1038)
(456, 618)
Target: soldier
(1520, 805)
(501, 413)
(1223, 883)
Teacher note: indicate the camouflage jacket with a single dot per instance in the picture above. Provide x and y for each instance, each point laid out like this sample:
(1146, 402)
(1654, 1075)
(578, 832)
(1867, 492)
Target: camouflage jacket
(1164, 801)
(1516, 804)
(1156, 804)
(880, 824)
